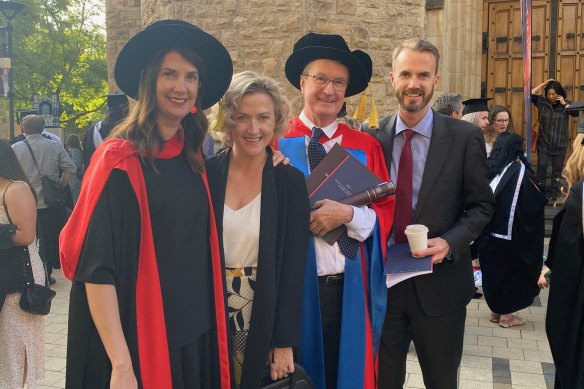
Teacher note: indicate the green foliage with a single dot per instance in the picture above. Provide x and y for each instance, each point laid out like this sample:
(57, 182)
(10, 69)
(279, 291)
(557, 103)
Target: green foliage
(59, 49)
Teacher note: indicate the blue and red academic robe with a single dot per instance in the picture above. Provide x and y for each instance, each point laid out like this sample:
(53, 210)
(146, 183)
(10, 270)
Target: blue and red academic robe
(155, 371)
(365, 292)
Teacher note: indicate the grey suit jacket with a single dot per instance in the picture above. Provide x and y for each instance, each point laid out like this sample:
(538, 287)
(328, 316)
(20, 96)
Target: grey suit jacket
(455, 203)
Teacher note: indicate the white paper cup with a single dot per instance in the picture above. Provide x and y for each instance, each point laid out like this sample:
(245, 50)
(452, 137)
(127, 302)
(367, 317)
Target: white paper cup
(417, 235)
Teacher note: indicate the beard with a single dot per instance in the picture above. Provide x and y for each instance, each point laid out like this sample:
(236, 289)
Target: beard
(413, 107)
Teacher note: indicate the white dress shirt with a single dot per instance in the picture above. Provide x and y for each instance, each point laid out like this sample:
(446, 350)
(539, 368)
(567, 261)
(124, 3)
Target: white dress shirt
(329, 259)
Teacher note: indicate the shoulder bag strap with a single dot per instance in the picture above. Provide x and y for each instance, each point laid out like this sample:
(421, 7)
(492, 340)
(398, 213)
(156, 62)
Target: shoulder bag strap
(33, 158)
(4, 202)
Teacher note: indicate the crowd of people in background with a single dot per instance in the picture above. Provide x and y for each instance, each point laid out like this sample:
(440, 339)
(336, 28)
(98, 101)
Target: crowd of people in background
(196, 270)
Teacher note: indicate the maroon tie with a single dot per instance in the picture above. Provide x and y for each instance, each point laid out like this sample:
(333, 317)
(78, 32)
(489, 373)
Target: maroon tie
(403, 195)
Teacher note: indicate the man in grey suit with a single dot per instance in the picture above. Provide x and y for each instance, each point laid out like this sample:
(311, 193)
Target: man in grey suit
(444, 166)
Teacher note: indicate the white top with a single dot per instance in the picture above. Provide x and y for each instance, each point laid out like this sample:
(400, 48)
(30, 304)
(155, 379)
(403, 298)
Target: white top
(329, 259)
(241, 234)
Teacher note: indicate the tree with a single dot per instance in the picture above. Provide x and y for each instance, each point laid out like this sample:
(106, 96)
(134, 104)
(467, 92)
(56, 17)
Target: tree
(59, 48)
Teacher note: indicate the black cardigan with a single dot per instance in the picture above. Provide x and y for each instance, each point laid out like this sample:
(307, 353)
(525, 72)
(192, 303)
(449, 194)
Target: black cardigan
(284, 220)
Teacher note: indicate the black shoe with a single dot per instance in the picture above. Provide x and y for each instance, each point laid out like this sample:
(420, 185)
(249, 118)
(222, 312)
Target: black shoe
(52, 281)
(477, 295)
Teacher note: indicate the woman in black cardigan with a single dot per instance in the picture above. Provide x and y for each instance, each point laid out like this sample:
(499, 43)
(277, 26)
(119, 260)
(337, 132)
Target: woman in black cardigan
(262, 214)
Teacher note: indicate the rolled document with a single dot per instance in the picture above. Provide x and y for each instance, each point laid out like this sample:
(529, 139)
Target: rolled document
(358, 199)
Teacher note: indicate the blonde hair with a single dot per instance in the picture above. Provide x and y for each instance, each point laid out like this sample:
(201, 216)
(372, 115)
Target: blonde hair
(488, 133)
(418, 45)
(247, 83)
(574, 170)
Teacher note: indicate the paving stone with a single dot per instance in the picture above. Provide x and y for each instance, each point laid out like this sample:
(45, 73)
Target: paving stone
(533, 381)
(481, 351)
(492, 341)
(476, 361)
(526, 344)
(475, 374)
(476, 330)
(531, 334)
(470, 384)
(508, 353)
(470, 339)
(525, 366)
(415, 381)
(539, 356)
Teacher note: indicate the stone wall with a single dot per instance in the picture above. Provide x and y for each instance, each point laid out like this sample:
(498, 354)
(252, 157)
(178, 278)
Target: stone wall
(260, 34)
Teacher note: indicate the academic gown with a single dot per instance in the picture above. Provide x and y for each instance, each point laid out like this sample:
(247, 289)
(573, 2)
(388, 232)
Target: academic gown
(284, 219)
(115, 184)
(565, 311)
(511, 247)
(364, 289)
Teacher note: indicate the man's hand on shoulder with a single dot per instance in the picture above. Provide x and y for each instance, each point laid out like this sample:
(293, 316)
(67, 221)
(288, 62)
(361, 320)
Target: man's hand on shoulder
(327, 215)
(438, 248)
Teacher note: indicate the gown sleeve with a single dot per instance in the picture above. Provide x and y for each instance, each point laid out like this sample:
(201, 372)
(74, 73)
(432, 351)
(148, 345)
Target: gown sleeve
(113, 232)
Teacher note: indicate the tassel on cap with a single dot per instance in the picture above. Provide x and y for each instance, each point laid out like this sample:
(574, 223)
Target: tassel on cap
(218, 118)
(373, 116)
(361, 108)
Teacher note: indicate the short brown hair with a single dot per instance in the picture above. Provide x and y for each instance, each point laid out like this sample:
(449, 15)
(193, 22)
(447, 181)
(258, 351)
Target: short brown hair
(418, 45)
(33, 124)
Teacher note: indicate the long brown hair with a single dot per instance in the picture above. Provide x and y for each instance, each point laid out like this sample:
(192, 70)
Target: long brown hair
(490, 133)
(139, 126)
(10, 167)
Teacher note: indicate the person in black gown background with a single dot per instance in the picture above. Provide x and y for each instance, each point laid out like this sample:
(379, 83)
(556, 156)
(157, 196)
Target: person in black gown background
(511, 246)
(147, 305)
(565, 311)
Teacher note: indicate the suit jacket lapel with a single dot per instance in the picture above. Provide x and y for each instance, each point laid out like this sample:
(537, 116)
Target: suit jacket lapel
(385, 137)
(437, 153)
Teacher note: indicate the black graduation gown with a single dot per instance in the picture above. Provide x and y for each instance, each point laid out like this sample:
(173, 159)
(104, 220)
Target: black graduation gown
(110, 255)
(511, 258)
(284, 220)
(565, 312)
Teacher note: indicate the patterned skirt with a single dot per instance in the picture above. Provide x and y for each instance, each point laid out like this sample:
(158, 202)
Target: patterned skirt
(240, 291)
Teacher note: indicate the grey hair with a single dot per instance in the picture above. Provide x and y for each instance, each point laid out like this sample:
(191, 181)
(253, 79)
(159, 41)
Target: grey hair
(448, 103)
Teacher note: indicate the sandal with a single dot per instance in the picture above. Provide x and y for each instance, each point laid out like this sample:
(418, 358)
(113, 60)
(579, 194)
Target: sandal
(495, 317)
(513, 321)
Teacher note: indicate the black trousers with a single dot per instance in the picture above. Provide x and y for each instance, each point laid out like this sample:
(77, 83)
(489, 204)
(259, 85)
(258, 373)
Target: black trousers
(438, 341)
(331, 304)
(51, 221)
(557, 160)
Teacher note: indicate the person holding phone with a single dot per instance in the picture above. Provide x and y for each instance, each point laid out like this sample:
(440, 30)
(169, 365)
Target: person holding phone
(553, 131)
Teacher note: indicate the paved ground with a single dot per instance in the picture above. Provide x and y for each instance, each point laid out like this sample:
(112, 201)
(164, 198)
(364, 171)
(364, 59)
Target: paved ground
(494, 357)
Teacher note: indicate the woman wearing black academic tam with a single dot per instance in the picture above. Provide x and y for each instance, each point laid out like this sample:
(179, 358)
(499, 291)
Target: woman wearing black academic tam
(147, 305)
(476, 112)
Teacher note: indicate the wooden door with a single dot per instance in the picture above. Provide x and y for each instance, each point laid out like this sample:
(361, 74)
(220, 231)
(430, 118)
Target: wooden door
(570, 57)
(560, 56)
(504, 55)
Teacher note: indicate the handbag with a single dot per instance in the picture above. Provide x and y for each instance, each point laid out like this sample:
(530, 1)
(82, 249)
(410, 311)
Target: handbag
(35, 299)
(54, 193)
(297, 380)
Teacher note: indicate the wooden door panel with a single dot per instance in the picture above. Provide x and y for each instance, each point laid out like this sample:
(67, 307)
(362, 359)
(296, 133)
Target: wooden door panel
(567, 26)
(566, 73)
(539, 29)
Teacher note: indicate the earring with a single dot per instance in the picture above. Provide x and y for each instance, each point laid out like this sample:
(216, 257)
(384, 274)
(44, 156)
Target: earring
(194, 109)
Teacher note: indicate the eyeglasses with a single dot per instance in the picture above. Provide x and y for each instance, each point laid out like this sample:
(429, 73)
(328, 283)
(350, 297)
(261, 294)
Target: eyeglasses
(501, 121)
(340, 85)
